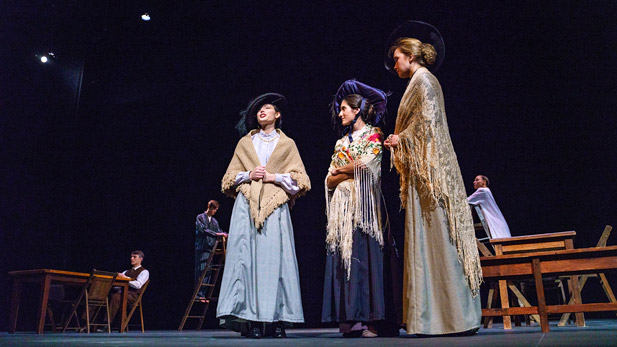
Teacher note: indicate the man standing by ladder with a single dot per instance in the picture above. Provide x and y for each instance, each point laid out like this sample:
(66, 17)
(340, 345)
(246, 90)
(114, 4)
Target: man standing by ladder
(206, 230)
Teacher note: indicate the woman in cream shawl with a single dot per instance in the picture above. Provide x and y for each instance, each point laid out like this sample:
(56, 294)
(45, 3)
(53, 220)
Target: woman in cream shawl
(442, 271)
(260, 282)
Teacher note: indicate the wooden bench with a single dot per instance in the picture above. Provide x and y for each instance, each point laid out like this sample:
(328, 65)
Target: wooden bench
(569, 262)
(529, 244)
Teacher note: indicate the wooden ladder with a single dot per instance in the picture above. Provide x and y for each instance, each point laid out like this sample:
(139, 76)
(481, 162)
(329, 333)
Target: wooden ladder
(214, 265)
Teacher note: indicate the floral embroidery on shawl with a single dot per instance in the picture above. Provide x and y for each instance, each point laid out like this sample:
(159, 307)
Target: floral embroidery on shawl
(355, 203)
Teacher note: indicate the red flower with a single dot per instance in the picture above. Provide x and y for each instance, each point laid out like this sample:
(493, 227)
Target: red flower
(376, 137)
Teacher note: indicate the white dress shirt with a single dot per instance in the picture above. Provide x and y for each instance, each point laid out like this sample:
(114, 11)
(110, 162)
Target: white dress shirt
(141, 279)
(496, 222)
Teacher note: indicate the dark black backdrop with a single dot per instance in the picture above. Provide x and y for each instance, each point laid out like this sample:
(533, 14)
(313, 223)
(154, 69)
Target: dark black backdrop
(127, 160)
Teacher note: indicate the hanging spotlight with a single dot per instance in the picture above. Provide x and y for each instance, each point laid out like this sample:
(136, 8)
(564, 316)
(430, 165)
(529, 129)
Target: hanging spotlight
(45, 58)
(145, 17)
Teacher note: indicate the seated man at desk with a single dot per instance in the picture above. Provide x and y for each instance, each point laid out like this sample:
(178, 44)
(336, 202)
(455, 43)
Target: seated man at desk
(483, 197)
(139, 276)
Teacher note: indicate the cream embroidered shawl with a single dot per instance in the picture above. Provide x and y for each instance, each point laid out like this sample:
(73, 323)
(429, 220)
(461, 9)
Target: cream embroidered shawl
(264, 198)
(355, 203)
(425, 158)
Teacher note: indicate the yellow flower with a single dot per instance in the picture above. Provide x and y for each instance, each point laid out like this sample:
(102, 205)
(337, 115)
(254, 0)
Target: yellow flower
(341, 155)
(375, 150)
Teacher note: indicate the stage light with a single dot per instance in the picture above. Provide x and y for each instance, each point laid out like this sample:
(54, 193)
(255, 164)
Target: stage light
(45, 58)
(145, 17)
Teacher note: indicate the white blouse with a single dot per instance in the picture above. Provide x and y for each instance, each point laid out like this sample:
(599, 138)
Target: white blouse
(264, 145)
(496, 223)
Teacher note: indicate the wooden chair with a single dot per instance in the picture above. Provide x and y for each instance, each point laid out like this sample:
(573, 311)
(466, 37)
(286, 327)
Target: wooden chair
(56, 298)
(136, 304)
(583, 279)
(483, 225)
(94, 294)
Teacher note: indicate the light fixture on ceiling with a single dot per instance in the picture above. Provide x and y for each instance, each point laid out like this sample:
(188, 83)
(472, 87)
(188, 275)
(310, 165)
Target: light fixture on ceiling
(44, 58)
(145, 17)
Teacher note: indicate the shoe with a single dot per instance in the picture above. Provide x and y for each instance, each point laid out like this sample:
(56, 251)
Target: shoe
(353, 334)
(368, 333)
(254, 333)
(279, 332)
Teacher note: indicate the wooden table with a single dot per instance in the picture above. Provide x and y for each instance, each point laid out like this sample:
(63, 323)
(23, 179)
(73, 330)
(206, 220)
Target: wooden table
(535, 243)
(569, 262)
(45, 277)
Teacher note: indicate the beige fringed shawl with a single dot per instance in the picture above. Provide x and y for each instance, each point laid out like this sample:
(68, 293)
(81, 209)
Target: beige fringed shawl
(355, 203)
(264, 198)
(425, 158)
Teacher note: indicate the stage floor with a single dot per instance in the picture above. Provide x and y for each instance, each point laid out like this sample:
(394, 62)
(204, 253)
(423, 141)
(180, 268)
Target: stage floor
(596, 333)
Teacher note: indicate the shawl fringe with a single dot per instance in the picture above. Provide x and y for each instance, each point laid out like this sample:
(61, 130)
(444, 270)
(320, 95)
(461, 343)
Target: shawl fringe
(425, 159)
(354, 204)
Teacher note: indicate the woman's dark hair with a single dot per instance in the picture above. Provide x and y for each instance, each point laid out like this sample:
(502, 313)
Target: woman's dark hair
(253, 123)
(354, 101)
(485, 179)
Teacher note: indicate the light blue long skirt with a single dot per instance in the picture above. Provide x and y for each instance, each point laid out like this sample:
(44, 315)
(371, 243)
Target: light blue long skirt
(260, 279)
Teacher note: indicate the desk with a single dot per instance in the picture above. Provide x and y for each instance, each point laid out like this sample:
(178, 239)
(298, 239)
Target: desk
(569, 262)
(45, 277)
(536, 243)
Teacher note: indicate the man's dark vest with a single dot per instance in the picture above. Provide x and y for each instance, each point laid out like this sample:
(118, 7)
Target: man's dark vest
(133, 274)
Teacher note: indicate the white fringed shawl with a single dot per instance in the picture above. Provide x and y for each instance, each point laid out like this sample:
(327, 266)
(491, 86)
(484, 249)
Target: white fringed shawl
(355, 203)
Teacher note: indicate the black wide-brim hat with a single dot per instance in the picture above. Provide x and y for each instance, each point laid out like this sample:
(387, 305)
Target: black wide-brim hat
(377, 97)
(417, 30)
(248, 116)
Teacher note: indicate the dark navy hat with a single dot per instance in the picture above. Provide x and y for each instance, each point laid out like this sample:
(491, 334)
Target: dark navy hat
(377, 97)
(248, 116)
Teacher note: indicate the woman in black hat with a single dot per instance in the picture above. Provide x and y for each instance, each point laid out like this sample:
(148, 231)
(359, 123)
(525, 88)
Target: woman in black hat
(442, 273)
(354, 286)
(260, 282)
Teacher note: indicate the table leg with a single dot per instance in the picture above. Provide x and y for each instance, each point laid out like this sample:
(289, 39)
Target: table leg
(576, 296)
(576, 290)
(492, 300)
(15, 299)
(505, 303)
(537, 276)
(44, 296)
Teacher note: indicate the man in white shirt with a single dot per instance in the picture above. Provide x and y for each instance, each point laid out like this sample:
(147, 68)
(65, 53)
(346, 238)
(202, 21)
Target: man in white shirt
(138, 275)
(483, 197)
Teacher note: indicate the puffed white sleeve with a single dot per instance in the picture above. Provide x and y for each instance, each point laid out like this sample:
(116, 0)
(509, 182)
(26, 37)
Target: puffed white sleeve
(287, 183)
(242, 176)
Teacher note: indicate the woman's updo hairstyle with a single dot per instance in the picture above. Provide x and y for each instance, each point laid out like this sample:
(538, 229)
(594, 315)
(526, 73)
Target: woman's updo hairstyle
(424, 53)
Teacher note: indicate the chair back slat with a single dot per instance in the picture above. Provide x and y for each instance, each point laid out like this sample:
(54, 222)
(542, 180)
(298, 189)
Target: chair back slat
(101, 285)
(482, 219)
(605, 234)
